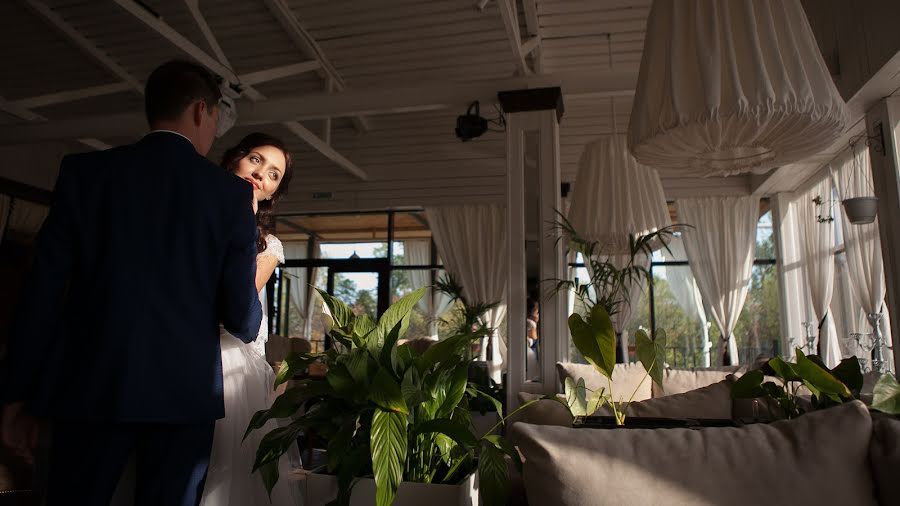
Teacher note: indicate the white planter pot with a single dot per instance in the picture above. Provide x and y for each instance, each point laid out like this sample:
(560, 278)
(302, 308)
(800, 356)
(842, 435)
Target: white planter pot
(319, 489)
(861, 210)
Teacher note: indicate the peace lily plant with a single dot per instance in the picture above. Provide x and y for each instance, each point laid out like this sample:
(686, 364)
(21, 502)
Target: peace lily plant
(386, 411)
(595, 338)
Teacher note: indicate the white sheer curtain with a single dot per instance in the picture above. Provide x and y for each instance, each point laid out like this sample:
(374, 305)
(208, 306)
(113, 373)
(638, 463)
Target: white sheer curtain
(302, 279)
(720, 244)
(853, 176)
(471, 241)
(625, 310)
(434, 303)
(817, 244)
(686, 293)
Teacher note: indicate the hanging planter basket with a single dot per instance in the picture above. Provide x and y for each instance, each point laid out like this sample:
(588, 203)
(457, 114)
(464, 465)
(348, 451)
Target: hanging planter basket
(861, 210)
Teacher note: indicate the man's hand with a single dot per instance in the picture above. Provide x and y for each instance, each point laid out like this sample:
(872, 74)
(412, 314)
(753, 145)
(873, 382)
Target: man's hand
(19, 431)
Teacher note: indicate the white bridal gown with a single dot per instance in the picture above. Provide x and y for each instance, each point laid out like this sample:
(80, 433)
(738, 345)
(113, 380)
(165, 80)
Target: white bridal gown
(247, 385)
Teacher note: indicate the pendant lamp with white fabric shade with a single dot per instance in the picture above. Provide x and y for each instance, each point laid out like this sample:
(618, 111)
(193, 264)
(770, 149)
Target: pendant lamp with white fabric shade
(615, 197)
(728, 87)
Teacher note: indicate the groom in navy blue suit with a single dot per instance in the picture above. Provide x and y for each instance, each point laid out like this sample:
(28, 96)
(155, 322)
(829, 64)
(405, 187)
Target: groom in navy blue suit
(146, 250)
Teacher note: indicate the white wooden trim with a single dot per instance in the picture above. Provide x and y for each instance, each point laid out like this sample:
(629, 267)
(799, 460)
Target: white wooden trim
(516, 292)
(533, 26)
(389, 100)
(553, 321)
(308, 45)
(18, 111)
(27, 115)
(274, 73)
(194, 7)
(167, 32)
(61, 97)
(322, 147)
(510, 17)
(84, 44)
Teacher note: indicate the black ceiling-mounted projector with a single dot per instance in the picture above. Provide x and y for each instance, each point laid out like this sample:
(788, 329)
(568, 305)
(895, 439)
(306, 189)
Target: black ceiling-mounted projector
(470, 126)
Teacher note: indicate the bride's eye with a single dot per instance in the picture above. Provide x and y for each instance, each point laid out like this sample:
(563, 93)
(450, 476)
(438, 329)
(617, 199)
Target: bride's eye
(254, 158)
(273, 175)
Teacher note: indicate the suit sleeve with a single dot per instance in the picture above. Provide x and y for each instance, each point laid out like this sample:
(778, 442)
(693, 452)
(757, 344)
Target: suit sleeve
(37, 325)
(240, 308)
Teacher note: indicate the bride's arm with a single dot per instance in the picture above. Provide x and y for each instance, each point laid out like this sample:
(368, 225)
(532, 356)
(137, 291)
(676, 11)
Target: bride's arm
(265, 266)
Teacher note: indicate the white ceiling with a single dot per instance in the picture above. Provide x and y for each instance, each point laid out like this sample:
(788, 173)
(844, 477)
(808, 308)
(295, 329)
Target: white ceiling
(372, 47)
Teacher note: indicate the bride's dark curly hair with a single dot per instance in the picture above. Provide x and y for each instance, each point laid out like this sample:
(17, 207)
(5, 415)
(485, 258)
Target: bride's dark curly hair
(265, 218)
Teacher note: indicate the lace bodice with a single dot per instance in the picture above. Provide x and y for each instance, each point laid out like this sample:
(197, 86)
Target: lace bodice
(275, 249)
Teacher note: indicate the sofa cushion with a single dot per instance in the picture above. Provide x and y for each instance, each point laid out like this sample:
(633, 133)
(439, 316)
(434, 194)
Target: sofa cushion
(628, 379)
(677, 381)
(543, 412)
(711, 401)
(884, 453)
(755, 464)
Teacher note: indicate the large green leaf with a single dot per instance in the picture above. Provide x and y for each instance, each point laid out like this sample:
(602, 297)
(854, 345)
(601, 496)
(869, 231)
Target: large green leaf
(269, 474)
(817, 378)
(340, 443)
(362, 327)
(390, 342)
(294, 364)
(454, 430)
(288, 403)
(340, 379)
(784, 370)
(386, 393)
(506, 447)
(576, 396)
(452, 347)
(398, 313)
(849, 374)
(274, 444)
(492, 476)
(498, 406)
(595, 339)
(340, 313)
(456, 389)
(596, 401)
(361, 366)
(411, 388)
(886, 396)
(388, 443)
(749, 386)
(652, 353)
(445, 445)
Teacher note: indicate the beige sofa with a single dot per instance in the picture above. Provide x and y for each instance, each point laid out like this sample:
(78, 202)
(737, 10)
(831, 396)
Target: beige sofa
(841, 455)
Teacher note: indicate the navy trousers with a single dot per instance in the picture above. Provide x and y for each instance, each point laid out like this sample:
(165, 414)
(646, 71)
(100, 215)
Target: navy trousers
(87, 460)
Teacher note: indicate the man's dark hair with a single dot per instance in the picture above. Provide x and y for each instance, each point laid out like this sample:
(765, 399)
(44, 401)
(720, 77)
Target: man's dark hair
(174, 85)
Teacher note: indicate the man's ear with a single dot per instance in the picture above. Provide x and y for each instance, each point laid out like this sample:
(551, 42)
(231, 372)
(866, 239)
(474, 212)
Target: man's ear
(198, 111)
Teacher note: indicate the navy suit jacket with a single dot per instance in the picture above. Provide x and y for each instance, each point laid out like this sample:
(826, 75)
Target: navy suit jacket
(146, 249)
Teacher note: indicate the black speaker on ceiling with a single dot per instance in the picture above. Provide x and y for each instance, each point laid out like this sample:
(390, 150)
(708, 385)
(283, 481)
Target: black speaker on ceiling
(471, 125)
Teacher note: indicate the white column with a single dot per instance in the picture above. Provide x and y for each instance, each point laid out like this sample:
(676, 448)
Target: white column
(883, 128)
(515, 303)
(554, 314)
(552, 323)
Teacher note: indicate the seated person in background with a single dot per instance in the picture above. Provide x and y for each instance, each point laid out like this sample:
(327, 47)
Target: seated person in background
(532, 367)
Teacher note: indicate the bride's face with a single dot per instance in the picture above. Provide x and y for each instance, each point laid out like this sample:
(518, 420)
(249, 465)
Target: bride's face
(263, 167)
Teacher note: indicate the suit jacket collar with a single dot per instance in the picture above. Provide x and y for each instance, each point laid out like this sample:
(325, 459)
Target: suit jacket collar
(169, 138)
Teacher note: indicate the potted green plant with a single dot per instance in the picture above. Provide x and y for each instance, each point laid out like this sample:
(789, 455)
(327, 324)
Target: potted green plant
(387, 413)
(826, 387)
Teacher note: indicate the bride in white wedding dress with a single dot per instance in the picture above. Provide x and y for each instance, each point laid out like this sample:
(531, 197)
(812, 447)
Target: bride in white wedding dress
(247, 377)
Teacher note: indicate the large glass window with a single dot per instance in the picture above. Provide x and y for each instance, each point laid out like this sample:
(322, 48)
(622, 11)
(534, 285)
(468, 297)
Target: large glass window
(368, 260)
(672, 302)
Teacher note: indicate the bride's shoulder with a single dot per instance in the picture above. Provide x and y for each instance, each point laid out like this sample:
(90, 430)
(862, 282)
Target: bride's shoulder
(274, 248)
